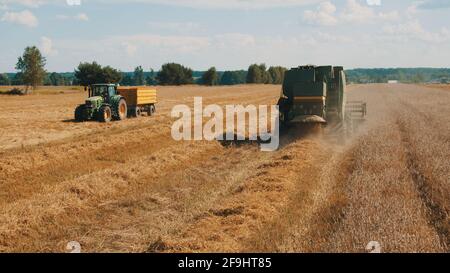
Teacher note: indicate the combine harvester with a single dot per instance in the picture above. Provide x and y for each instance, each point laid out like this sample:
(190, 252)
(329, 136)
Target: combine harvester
(316, 95)
(109, 101)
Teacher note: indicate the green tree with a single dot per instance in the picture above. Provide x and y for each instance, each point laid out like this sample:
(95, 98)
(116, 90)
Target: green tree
(4, 79)
(254, 74)
(56, 79)
(139, 77)
(174, 74)
(233, 77)
(46, 81)
(151, 78)
(32, 67)
(92, 73)
(258, 74)
(110, 75)
(277, 74)
(418, 78)
(17, 79)
(210, 77)
(88, 73)
(127, 80)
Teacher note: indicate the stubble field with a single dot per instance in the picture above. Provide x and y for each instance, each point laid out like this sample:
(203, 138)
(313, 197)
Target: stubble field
(129, 187)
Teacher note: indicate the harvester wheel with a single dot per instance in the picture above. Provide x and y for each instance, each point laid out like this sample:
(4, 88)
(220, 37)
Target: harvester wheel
(105, 114)
(80, 113)
(121, 110)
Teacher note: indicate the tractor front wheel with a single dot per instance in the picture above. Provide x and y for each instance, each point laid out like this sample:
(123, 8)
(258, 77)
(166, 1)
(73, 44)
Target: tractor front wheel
(105, 114)
(80, 113)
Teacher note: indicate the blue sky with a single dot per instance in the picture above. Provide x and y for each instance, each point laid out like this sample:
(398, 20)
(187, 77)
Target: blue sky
(228, 34)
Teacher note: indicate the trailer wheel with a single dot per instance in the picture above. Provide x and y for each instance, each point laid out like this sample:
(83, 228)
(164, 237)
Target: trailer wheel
(136, 112)
(105, 114)
(151, 110)
(80, 113)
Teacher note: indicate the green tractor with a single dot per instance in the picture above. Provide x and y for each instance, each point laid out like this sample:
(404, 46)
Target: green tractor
(104, 104)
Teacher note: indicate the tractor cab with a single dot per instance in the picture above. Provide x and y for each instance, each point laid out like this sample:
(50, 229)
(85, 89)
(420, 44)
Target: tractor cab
(106, 91)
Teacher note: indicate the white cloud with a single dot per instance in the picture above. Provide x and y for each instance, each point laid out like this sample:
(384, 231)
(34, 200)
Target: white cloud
(327, 14)
(226, 4)
(355, 12)
(26, 3)
(389, 16)
(324, 15)
(358, 40)
(154, 50)
(25, 18)
(237, 50)
(200, 4)
(374, 2)
(175, 44)
(415, 30)
(82, 17)
(79, 17)
(46, 47)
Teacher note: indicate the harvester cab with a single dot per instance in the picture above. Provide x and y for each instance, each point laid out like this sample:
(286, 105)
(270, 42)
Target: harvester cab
(104, 103)
(316, 94)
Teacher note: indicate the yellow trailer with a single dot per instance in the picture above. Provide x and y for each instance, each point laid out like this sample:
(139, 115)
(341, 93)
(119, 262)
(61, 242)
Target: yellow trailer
(139, 99)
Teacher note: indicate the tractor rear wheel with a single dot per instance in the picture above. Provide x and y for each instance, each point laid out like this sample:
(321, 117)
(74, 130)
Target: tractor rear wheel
(80, 113)
(105, 114)
(122, 110)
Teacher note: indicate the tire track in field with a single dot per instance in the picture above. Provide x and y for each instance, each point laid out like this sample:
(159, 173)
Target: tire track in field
(428, 179)
(182, 198)
(315, 208)
(237, 216)
(437, 216)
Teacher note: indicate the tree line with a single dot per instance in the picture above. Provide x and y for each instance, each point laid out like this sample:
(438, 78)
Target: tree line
(403, 75)
(177, 74)
(32, 73)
